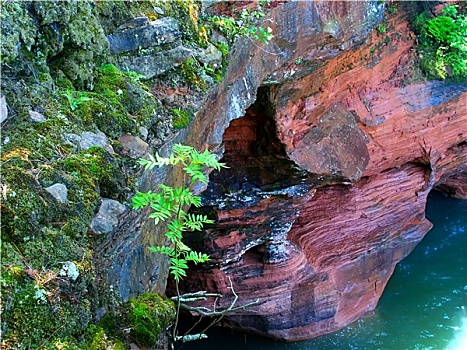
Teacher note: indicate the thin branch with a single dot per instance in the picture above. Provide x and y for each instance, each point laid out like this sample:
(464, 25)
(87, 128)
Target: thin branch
(205, 311)
(177, 315)
(194, 325)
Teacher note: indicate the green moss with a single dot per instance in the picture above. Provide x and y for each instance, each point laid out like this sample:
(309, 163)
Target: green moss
(48, 241)
(443, 48)
(33, 321)
(188, 12)
(98, 170)
(114, 13)
(223, 47)
(181, 118)
(58, 50)
(13, 269)
(119, 103)
(27, 205)
(38, 308)
(191, 71)
(76, 52)
(17, 30)
(62, 344)
(41, 140)
(144, 318)
(97, 339)
(149, 315)
(47, 37)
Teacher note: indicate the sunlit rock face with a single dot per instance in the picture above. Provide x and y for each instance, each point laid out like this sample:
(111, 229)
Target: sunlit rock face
(330, 167)
(332, 148)
(310, 32)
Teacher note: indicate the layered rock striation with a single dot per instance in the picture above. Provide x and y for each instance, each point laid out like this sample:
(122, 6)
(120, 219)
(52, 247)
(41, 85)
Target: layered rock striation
(329, 172)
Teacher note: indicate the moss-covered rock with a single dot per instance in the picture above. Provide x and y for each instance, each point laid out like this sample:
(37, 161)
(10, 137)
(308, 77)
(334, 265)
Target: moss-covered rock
(97, 339)
(98, 167)
(36, 318)
(442, 45)
(149, 315)
(144, 318)
(18, 30)
(53, 54)
(26, 206)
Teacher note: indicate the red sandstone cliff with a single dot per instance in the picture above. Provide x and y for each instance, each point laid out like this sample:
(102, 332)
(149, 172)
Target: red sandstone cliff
(329, 174)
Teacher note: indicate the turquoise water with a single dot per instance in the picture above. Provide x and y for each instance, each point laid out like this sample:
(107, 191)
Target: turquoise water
(423, 307)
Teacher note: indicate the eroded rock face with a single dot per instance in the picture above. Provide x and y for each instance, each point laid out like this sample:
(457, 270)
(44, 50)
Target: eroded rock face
(329, 174)
(297, 27)
(332, 150)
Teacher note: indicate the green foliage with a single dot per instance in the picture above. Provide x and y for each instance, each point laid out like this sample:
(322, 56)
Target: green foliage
(97, 339)
(168, 204)
(181, 118)
(192, 71)
(75, 98)
(223, 47)
(381, 29)
(187, 12)
(443, 43)
(249, 29)
(244, 25)
(141, 320)
(134, 77)
(391, 8)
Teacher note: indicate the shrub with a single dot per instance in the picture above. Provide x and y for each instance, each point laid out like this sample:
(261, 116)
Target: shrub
(443, 43)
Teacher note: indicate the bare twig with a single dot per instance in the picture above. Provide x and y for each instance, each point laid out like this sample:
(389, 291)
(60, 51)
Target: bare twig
(205, 311)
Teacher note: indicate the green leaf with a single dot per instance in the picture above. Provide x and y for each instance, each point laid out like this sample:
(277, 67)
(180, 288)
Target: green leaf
(197, 257)
(178, 273)
(140, 200)
(194, 170)
(163, 250)
(182, 152)
(183, 247)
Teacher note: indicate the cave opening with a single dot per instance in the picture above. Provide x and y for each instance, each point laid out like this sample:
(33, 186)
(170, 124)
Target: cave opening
(257, 160)
(254, 135)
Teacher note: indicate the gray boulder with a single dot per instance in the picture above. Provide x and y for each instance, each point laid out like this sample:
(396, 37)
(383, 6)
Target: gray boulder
(140, 33)
(3, 109)
(156, 64)
(59, 192)
(90, 139)
(106, 220)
